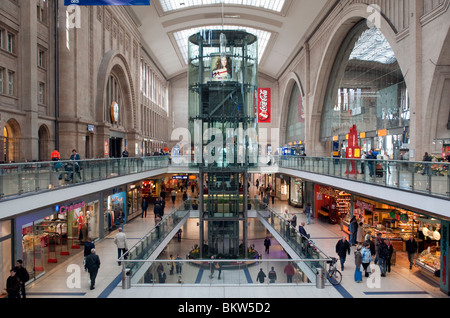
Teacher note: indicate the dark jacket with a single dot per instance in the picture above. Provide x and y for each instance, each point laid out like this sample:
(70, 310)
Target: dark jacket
(343, 248)
(261, 276)
(22, 274)
(383, 250)
(302, 231)
(411, 246)
(158, 209)
(92, 263)
(88, 246)
(13, 286)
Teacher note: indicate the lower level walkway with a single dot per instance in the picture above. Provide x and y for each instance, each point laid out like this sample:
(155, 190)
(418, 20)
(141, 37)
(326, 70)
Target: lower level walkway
(69, 280)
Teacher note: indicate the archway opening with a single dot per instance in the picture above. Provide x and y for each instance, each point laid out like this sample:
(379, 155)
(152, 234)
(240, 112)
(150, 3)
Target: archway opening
(367, 89)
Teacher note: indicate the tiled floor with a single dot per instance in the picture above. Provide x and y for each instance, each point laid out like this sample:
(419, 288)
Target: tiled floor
(62, 281)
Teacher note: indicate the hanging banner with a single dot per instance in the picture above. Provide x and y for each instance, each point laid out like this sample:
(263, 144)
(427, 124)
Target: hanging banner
(107, 2)
(264, 105)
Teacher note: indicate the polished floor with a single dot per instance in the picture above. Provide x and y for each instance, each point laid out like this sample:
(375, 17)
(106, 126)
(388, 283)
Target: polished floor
(69, 280)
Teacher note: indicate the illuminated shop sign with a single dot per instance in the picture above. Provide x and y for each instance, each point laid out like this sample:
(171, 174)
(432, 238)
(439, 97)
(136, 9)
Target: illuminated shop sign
(107, 2)
(264, 105)
(72, 207)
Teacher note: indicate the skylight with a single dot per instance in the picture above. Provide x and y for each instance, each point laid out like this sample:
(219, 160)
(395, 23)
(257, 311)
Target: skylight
(182, 37)
(172, 5)
(373, 46)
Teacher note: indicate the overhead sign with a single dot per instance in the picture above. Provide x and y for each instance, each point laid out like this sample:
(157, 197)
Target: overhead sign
(107, 2)
(264, 105)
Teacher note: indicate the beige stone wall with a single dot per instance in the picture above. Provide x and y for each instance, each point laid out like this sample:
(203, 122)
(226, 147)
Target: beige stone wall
(418, 33)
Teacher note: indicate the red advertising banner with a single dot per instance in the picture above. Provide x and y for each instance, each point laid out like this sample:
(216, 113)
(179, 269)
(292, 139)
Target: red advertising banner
(264, 98)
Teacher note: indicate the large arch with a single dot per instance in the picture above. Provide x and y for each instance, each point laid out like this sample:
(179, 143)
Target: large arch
(292, 79)
(115, 63)
(438, 117)
(338, 32)
(11, 145)
(43, 143)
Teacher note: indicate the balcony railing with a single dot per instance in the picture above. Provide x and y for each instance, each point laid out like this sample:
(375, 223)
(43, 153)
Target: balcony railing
(18, 179)
(431, 178)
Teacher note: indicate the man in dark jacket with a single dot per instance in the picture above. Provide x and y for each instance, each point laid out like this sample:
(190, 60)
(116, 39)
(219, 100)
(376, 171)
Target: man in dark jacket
(383, 255)
(157, 210)
(13, 285)
(411, 248)
(342, 249)
(23, 276)
(93, 265)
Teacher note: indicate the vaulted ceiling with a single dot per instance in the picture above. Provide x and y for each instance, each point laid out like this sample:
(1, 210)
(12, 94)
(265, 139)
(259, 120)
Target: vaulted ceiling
(282, 32)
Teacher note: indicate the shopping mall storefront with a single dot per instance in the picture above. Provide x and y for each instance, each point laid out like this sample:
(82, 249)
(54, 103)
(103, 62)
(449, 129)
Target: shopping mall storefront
(395, 224)
(46, 238)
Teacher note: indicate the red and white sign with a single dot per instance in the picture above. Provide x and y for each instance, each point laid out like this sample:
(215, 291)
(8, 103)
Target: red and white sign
(264, 105)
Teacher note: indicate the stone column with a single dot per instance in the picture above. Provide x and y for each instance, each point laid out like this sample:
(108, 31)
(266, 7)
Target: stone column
(27, 40)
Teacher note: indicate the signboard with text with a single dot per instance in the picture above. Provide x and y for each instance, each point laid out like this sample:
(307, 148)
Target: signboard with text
(264, 106)
(107, 2)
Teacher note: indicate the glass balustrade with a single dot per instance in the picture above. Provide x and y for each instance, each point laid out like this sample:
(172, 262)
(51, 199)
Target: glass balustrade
(431, 178)
(148, 244)
(203, 272)
(24, 178)
(302, 246)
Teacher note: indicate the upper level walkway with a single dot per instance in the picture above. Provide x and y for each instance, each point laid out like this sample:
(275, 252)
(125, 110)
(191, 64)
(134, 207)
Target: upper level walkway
(424, 186)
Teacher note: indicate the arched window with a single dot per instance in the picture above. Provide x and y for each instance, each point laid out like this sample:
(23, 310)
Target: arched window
(295, 127)
(113, 100)
(367, 89)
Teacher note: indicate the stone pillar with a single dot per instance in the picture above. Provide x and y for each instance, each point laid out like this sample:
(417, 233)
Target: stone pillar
(28, 79)
(415, 74)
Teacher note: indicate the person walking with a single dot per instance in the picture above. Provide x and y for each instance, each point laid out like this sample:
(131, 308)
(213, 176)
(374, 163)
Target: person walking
(261, 276)
(125, 153)
(272, 275)
(289, 271)
(342, 249)
(267, 244)
(383, 255)
(88, 246)
(308, 213)
(144, 207)
(171, 263)
(366, 257)
(353, 228)
(358, 264)
(411, 248)
(121, 242)
(178, 265)
(360, 234)
(23, 276)
(272, 195)
(173, 194)
(389, 259)
(93, 265)
(13, 285)
(212, 267)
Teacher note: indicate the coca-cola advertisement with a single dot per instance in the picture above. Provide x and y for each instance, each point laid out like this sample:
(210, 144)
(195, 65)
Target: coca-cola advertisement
(264, 105)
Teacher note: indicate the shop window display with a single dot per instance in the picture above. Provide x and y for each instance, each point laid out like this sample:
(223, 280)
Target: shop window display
(49, 241)
(296, 198)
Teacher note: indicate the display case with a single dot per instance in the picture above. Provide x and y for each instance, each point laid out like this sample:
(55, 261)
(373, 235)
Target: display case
(429, 261)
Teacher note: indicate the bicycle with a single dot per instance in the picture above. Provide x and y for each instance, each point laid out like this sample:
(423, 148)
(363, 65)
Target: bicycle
(334, 276)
